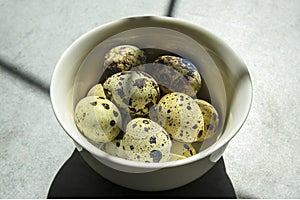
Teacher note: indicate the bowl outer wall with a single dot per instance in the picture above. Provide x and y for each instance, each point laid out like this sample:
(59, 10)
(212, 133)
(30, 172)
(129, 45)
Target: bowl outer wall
(157, 180)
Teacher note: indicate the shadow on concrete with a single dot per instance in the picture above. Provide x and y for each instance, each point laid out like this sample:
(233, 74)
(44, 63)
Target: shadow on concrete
(171, 8)
(12, 70)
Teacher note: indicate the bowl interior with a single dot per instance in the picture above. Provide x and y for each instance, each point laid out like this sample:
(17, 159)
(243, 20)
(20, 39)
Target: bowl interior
(226, 76)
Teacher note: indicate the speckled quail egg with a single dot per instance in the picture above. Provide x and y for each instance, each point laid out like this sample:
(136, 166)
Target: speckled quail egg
(183, 149)
(146, 141)
(114, 147)
(176, 74)
(180, 116)
(175, 157)
(97, 118)
(211, 119)
(97, 90)
(132, 91)
(122, 58)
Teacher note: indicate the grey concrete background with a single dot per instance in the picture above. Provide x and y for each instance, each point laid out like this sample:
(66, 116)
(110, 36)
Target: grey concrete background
(262, 160)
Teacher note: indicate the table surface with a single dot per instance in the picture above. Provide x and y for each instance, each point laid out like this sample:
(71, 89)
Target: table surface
(263, 159)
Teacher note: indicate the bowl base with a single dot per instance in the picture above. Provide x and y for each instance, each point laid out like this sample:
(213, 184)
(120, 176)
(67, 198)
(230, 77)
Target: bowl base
(158, 180)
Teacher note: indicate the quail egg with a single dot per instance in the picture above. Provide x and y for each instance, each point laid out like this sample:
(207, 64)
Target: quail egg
(211, 119)
(180, 116)
(146, 141)
(97, 90)
(183, 149)
(97, 118)
(132, 91)
(176, 74)
(114, 147)
(122, 58)
(175, 157)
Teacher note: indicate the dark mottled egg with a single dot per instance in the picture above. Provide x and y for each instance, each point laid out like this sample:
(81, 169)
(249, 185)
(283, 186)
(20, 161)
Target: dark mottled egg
(176, 74)
(146, 141)
(133, 91)
(122, 58)
(211, 119)
(180, 116)
(97, 118)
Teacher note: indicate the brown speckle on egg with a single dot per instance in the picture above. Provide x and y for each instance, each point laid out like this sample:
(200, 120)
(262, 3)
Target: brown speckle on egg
(93, 103)
(115, 113)
(112, 122)
(106, 106)
(156, 155)
(200, 133)
(153, 140)
(146, 121)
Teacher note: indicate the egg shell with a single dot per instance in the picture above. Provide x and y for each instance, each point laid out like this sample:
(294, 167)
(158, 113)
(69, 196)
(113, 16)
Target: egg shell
(183, 149)
(211, 119)
(97, 90)
(122, 58)
(175, 157)
(176, 74)
(97, 118)
(132, 91)
(180, 116)
(114, 147)
(146, 141)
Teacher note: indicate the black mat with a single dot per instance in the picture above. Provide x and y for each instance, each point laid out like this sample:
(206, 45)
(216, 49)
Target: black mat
(76, 179)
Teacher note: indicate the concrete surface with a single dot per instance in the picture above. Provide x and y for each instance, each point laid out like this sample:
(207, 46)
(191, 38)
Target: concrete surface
(262, 160)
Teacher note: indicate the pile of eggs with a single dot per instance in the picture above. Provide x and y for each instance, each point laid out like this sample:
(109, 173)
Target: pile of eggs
(146, 112)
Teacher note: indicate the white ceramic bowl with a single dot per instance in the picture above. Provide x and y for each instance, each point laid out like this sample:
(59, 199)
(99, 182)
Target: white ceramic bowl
(227, 78)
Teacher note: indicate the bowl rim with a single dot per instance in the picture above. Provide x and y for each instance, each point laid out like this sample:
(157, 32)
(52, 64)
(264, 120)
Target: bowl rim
(128, 163)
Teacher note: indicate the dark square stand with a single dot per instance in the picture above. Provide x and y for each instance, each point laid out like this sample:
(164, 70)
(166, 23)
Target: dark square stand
(76, 179)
